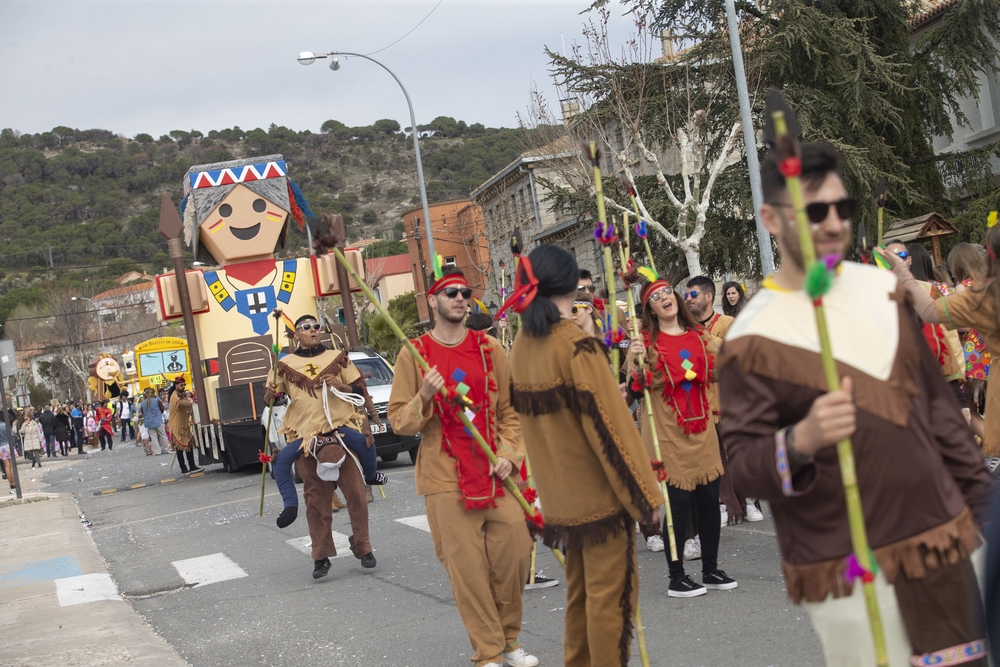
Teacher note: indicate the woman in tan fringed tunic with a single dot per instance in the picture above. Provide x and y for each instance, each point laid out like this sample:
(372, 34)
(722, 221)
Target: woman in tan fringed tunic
(593, 474)
(680, 357)
(180, 425)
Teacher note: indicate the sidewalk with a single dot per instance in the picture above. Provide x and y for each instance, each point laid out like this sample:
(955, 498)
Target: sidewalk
(58, 603)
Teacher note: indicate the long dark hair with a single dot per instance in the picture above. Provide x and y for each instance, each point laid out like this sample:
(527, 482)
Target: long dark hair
(685, 318)
(557, 275)
(921, 264)
(733, 310)
(990, 286)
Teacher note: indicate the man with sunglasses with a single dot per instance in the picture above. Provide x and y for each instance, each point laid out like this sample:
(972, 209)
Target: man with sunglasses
(922, 481)
(309, 376)
(478, 529)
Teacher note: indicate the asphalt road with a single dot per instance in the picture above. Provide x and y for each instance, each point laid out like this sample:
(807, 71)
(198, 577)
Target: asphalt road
(268, 610)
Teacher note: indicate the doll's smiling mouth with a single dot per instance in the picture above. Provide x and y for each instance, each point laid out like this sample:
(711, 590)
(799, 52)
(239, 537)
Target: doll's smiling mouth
(245, 233)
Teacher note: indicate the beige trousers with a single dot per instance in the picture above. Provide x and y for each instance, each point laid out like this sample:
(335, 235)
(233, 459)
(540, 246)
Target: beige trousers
(486, 554)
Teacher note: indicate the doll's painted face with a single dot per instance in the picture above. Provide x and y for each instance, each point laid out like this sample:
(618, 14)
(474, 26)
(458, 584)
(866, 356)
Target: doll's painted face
(107, 369)
(243, 227)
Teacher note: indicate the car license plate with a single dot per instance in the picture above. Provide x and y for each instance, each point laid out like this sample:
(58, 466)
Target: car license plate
(379, 429)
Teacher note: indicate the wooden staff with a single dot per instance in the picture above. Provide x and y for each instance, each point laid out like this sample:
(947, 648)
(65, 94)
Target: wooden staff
(605, 234)
(819, 278)
(265, 455)
(640, 225)
(530, 511)
(641, 365)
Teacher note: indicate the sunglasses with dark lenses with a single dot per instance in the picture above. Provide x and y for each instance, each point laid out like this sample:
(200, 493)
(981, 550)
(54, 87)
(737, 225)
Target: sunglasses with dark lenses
(577, 307)
(661, 293)
(452, 292)
(817, 211)
(902, 254)
(314, 326)
(693, 294)
(589, 288)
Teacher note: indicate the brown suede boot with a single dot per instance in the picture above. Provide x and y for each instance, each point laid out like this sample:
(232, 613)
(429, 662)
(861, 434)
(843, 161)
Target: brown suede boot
(337, 504)
(368, 493)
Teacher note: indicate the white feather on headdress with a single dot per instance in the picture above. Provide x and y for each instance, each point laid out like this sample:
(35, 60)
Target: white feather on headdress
(189, 222)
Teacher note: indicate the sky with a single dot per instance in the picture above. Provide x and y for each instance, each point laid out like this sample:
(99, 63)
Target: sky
(155, 65)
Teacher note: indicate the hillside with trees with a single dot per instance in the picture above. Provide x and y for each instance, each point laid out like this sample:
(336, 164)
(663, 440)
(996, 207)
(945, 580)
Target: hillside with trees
(82, 206)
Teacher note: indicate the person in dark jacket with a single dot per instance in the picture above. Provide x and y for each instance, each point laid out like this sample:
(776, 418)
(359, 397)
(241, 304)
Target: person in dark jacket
(76, 417)
(48, 421)
(62, 429)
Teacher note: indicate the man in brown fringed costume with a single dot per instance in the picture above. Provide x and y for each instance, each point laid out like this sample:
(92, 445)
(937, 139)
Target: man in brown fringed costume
(478, 528)
(593, 474)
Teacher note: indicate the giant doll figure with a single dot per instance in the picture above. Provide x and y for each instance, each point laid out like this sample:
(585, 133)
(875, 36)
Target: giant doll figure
(236, 216)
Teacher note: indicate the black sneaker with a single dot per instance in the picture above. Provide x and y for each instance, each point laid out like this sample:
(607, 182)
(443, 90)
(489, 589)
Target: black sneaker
(197, 469)
(684, 587)
(368, 560)
(321, 568)
(378, 480)
(541, 581)
(718, 581)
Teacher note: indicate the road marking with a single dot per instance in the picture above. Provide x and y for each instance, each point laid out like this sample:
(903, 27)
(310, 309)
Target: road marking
(86, 588)
(304, 544)
(42, 570)
(419, 522)
(194, 509)
(209, 569)
(143, 485)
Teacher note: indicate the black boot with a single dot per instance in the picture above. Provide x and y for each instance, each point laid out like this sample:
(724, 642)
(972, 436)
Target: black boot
(321, 568)
(287, 516)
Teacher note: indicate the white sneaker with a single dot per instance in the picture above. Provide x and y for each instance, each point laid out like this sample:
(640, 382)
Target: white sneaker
(725, 515)
(753, 514)
(518, 658)
(692, 549)
(655, 543)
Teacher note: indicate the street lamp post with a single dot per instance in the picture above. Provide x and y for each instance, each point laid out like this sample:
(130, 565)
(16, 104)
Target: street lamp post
(308, 58)
(100, 324)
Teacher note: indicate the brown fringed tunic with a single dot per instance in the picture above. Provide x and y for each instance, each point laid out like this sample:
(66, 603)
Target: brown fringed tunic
(919, 472)
(594, 479)
(301, 377)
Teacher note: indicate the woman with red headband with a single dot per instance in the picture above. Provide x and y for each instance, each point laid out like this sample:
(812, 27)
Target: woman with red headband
(587, 459)
(680, 355)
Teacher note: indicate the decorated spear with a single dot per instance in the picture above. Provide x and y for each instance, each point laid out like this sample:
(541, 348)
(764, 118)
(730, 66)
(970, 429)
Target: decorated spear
(641, 229)
(606, 235)
(531, 512)
(632, 275)
(503, 297)
(265, 452)
(781, 131)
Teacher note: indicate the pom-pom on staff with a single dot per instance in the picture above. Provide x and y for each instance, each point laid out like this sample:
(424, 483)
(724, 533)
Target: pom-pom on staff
(641, 229)
(533, 514)
(781, 128)
(606, 235)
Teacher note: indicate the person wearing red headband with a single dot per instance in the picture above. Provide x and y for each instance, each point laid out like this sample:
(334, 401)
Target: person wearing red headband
(593, 475)
(680, 357)
(478, 529)
(923, 482)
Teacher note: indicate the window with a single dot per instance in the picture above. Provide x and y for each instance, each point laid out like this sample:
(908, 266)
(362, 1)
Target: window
(449, 261)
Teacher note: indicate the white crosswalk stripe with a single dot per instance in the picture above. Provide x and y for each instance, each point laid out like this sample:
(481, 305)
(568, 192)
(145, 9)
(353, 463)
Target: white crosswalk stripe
(86, 588)
(304, 544)
(419, 522)
(209, 569)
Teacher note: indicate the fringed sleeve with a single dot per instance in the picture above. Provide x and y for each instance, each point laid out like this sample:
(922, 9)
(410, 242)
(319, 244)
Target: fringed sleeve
(510, 444)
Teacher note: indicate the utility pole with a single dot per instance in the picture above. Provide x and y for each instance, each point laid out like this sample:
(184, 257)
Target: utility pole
(423, 267)
(749, 140)
(8, 367)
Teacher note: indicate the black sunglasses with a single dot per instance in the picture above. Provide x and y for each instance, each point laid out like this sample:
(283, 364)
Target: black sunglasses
(817, 211)
(589, 288)
(315, 326)
(452, 292)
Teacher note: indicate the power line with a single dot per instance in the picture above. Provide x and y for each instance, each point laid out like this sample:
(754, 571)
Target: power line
(49, 348)
(408, 33)
(77, 312)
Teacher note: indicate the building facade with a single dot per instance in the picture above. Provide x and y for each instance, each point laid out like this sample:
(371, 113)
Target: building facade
(459, 240)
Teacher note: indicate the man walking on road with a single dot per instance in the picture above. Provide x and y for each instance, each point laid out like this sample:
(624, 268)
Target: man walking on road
(478, 530)
(151, 414)
(48, 421)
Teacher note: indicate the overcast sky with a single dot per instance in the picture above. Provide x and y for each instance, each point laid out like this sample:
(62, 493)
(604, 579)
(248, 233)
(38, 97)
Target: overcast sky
(154, 66)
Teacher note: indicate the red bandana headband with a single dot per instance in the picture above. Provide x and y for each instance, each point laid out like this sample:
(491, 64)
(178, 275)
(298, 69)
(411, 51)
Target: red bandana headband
(450, 280)
(524, 292)
(652, 288)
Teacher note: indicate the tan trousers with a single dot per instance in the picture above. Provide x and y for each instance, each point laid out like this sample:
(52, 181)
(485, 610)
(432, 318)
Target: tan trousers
(602, 590)
(318, 495)
(486, 554)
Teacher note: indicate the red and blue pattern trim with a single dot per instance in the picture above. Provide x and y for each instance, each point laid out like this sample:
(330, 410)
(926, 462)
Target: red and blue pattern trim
(233, 175)
(954, 655)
